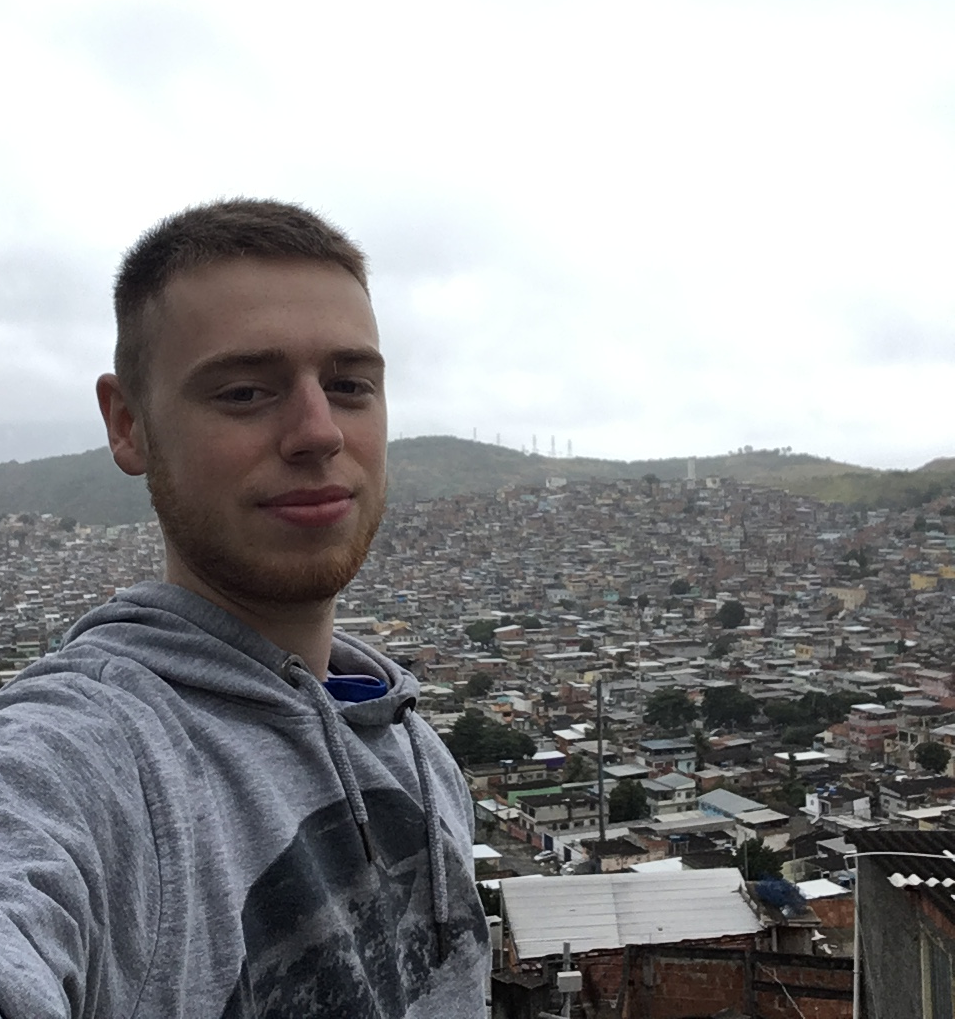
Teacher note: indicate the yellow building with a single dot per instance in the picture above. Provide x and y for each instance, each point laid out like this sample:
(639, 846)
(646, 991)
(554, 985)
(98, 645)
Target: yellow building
(852, 598)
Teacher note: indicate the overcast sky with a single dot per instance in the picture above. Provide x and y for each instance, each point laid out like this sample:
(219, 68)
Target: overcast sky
(647, 228)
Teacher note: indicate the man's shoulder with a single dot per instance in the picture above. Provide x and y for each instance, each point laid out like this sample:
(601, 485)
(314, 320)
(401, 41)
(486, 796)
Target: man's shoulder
(78, 678)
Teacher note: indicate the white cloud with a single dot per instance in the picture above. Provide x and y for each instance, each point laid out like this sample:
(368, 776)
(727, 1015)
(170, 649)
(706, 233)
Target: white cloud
(653, 229)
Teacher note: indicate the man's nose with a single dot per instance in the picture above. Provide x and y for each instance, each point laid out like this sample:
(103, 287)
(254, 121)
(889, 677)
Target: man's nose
(310, 430)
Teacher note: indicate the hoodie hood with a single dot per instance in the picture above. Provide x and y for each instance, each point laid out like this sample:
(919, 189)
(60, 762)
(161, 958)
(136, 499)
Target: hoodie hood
(170, 627)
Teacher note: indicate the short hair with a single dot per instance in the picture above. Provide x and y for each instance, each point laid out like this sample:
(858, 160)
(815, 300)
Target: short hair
(208, 233)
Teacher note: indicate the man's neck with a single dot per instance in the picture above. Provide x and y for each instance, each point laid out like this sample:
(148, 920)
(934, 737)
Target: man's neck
(303, 629)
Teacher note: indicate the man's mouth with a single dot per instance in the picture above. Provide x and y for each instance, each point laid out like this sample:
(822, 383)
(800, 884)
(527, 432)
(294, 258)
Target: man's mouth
(311, 507)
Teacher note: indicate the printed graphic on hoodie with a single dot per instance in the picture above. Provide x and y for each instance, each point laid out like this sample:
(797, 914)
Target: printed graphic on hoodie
(326, 940)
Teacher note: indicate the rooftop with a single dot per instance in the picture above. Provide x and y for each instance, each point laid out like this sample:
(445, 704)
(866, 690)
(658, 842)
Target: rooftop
(601, 911)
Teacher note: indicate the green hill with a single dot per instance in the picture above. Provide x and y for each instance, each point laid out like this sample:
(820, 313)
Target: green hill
(89, 487)
(86, 486)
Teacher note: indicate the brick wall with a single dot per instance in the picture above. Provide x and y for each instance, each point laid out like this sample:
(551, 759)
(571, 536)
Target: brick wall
(789, 989)
(677, 982)
(681, 986)
(837, 913)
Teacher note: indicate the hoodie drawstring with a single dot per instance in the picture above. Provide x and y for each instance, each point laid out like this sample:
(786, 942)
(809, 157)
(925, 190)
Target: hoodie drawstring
(439, 875)
(346, 774)
(336, 748)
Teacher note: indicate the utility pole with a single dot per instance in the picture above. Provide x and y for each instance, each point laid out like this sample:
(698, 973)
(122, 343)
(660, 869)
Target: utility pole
(602, 827)
(569, 982)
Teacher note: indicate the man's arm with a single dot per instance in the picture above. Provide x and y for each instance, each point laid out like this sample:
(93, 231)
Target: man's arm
(78, 884)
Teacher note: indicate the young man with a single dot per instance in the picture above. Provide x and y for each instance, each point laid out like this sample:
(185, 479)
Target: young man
(210, 805)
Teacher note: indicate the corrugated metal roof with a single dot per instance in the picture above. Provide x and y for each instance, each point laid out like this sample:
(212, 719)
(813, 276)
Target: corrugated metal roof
(726, 802)
(930, 872)
(601, 911)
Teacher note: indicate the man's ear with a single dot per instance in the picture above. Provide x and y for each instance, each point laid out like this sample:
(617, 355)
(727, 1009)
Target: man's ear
(124, 426)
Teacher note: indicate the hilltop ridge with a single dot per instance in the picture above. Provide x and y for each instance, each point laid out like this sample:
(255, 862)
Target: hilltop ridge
(89, 487)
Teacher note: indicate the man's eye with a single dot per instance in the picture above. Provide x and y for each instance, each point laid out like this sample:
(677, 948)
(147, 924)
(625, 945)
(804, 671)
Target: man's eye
(350, 387)
(241, 394)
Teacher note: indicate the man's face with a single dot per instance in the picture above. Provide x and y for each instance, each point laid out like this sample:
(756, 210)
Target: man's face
(265, 429)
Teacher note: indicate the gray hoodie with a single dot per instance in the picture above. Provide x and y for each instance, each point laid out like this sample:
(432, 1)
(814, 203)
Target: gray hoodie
(190, 825)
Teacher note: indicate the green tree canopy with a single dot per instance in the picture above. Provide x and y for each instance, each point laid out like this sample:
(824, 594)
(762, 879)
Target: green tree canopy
(627, 802)
(479, 684)
(800, 735)
(482, 632)
(579, 768)
(932, 756)
(477, 740)
(886, 694)
(680, 586)
(823, 707)
(784, 712)
(670, 709)
(532, 623)
(756, 861)
(723, 644)
(643, 600)
(731, 614)
(586, 644)
(725, 705)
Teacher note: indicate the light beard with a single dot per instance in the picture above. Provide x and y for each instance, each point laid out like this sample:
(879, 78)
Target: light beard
(199, 537)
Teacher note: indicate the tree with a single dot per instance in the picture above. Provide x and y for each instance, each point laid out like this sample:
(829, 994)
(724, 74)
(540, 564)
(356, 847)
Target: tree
(68, 524)
(627, 802)
(723, 644)
(800, 735)
(669, 709)
(703, 748)
(586, 644)
(680, 586)
(490, 900)
(532, 623)
(723, 705)
(579, 768)
(475, 739)
(886, 694)
(479, 684)
(784, 712)
(731, 614)
(834, 707)
(643, 600)
(756, 861)
(482, 632)
(932, 756)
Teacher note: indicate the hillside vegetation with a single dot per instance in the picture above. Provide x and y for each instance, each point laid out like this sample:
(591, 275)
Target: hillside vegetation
(90, 488)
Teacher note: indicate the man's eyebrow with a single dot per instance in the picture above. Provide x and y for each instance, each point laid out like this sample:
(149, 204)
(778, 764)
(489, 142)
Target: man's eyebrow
(358, 356)
(224, 363)
(269, 358)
